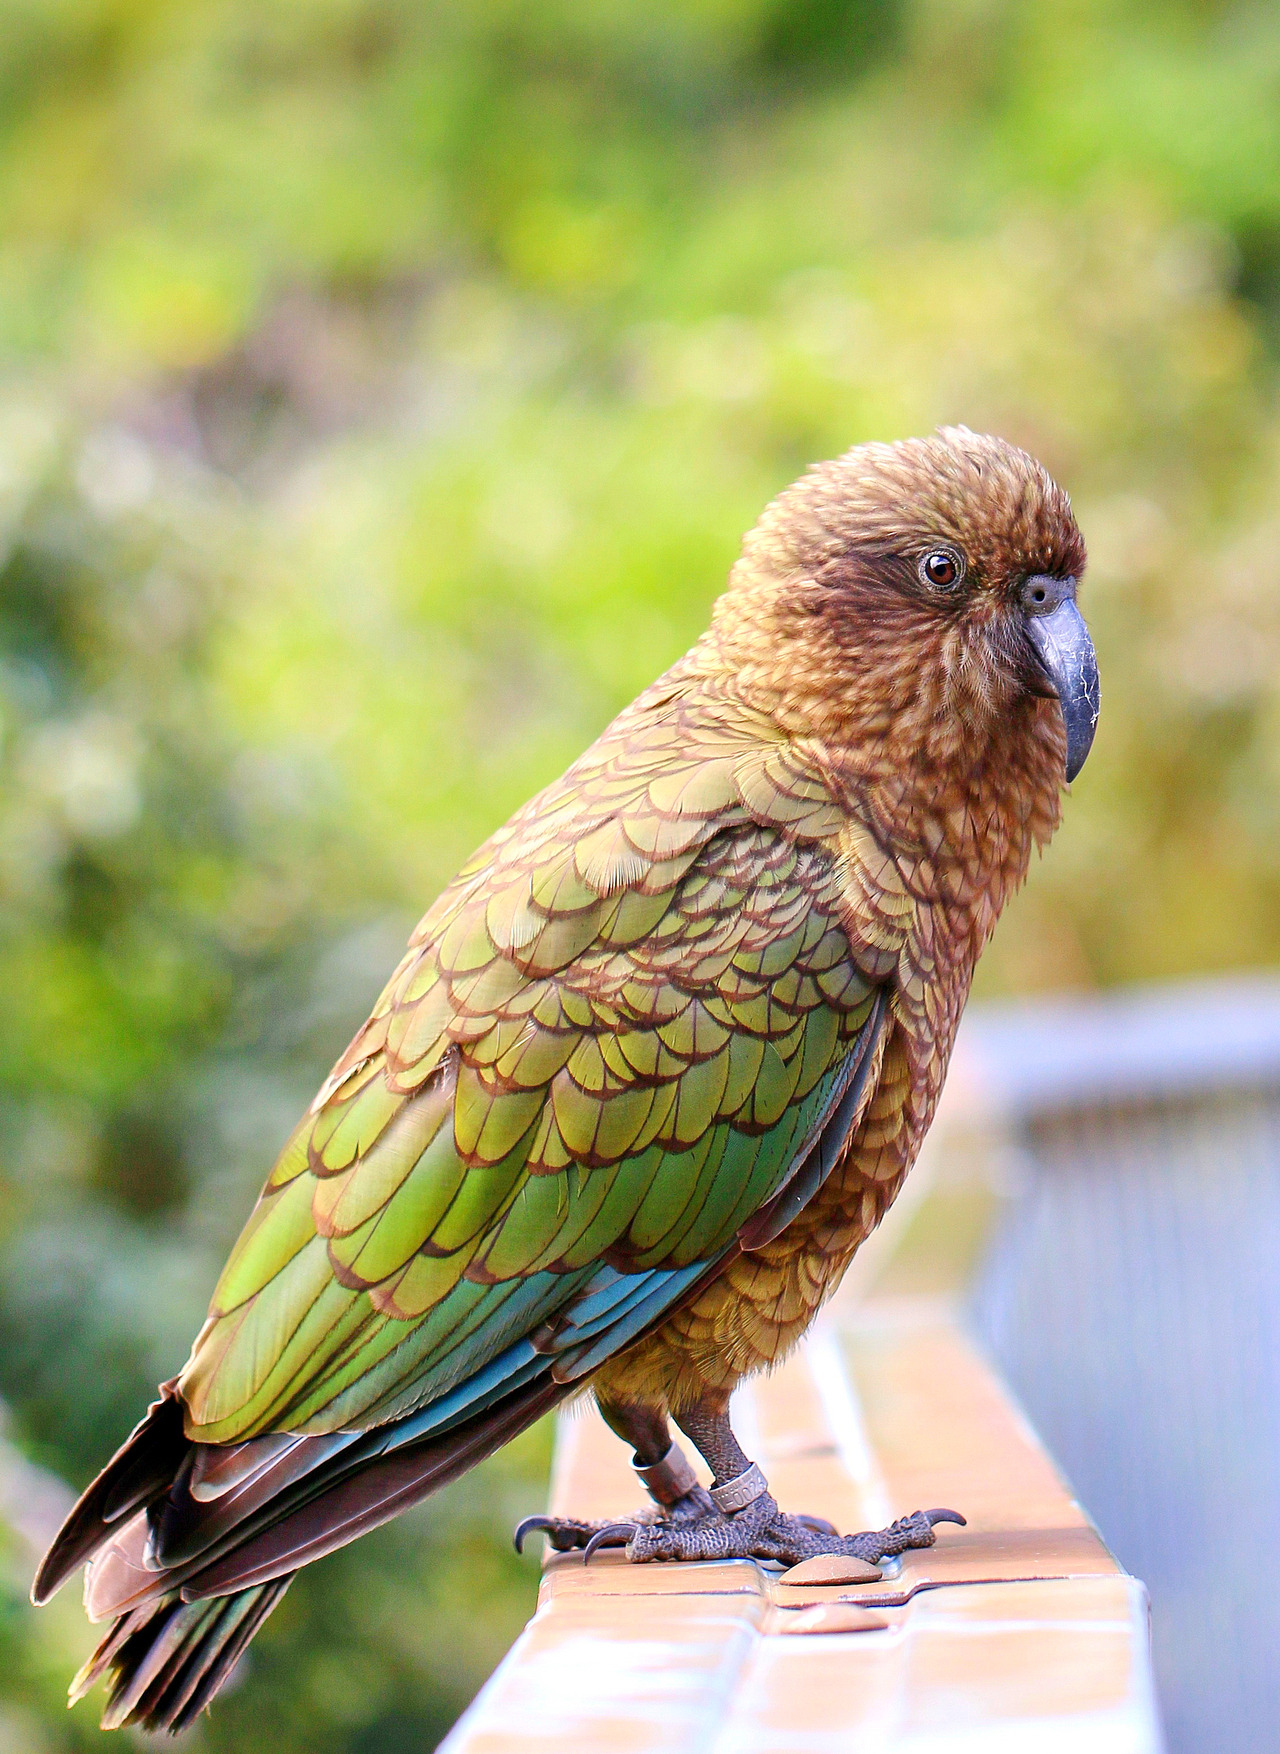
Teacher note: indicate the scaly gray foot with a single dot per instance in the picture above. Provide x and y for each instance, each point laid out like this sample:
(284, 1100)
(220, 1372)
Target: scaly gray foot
(760, 1531)
(566, 1534)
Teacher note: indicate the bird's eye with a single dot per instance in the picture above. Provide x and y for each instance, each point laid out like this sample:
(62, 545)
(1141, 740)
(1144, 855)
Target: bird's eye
(941, 569)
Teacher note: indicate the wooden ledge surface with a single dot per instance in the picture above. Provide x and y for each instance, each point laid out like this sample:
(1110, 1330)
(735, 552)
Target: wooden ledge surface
(1017, 1632)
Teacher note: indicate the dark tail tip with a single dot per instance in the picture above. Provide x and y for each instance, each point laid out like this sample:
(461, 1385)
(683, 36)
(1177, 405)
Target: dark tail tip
(140, 1470)
(165, 1661)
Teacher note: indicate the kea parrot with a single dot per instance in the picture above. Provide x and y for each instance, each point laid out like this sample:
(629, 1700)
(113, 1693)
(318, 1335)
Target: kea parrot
(653, 1066)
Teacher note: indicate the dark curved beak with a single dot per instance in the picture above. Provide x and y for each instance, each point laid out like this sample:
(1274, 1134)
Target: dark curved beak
(1067, 658)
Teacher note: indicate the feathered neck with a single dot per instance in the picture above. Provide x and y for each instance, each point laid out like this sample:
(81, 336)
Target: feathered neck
(956, 773)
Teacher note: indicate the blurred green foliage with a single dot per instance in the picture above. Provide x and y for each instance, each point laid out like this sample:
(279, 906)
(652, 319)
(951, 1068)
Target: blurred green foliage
(384, 387)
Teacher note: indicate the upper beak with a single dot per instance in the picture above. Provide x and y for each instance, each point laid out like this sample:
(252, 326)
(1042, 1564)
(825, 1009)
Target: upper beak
(1067, 657)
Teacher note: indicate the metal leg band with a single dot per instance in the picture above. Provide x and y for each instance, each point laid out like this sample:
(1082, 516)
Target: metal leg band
(667, 1481)
(738, 1494)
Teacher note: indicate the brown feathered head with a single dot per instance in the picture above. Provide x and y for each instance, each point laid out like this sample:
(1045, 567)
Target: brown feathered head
(922, 588)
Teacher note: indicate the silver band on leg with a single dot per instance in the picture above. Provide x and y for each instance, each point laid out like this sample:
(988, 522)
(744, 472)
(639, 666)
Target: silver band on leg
(667, 1481)
(738, 1494)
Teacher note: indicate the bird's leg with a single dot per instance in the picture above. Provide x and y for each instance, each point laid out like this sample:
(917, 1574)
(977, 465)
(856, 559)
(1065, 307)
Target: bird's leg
(662, 1467)
(663, 1470)
(744, 1521)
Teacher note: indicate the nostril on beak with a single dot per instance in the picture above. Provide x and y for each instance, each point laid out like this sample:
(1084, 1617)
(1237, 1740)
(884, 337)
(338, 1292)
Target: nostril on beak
(1041, 593)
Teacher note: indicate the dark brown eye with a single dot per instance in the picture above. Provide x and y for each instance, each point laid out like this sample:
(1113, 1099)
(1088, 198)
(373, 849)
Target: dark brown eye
(940, 568)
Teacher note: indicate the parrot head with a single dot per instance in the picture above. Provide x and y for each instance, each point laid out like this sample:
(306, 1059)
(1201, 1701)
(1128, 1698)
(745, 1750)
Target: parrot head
(923, 591)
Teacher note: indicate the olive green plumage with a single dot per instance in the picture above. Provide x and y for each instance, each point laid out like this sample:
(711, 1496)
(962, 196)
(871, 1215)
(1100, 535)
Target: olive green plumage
(604, 1041)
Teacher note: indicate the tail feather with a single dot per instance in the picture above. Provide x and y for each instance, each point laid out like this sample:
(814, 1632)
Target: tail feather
(166, 1659)
(177, 1630)
(140, 1470)
(353, 1505)
(191, 1550)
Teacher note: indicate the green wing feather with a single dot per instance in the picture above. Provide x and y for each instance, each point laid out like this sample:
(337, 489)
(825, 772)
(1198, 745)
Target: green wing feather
(606, 1042)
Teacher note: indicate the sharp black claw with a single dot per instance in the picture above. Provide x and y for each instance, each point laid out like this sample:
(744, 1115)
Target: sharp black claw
(946, 1516)
(818, 1524)
(611, 1535)
(530, 1526)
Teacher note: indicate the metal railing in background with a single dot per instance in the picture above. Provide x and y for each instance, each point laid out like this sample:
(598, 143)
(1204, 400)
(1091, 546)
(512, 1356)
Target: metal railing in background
(1132, 1300)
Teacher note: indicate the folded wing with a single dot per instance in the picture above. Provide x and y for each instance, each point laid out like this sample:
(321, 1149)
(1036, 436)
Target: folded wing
(633, 1033)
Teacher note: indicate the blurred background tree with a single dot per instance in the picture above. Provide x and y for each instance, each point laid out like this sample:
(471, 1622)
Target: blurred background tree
(384, 388)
